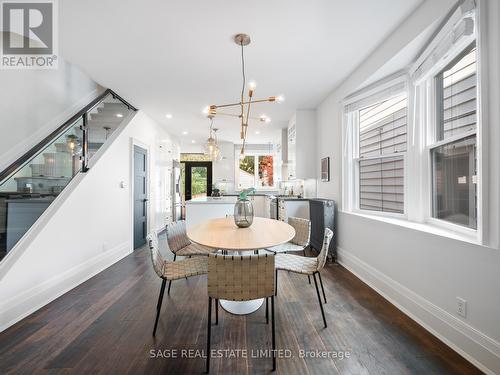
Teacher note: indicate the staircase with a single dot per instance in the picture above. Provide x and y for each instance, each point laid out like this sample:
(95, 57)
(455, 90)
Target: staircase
(30, 185)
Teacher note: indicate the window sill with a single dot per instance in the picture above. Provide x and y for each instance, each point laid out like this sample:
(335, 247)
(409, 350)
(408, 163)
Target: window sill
(423, 227)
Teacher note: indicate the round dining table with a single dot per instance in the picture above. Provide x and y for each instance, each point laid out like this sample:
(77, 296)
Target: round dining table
(223, 234)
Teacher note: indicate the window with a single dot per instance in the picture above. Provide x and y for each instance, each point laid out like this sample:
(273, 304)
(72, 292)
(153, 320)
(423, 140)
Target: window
(412, 143)
(381, 147)
(453, 155)
(256, 171)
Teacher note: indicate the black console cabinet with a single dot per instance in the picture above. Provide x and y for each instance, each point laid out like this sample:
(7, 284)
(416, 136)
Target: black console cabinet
(323, 212)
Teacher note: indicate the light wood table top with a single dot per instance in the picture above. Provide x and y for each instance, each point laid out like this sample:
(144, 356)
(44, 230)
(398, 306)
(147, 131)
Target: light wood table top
(225, 235)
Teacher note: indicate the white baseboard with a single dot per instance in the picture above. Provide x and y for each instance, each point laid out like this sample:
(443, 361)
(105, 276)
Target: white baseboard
(473, 345)
(40, 295)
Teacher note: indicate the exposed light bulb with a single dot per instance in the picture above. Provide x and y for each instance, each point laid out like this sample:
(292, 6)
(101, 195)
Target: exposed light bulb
(185, 133)
(280, 98)
(119, 115)
(169, 116)
(264, 118)
(257, 132)
(206, 110)
(193, 141)
(252, 85)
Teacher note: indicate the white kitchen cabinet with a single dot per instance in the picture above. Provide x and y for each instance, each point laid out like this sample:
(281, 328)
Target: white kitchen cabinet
(301, 141)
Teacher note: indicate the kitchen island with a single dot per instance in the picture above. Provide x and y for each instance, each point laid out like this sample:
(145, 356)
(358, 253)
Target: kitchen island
(201, 209)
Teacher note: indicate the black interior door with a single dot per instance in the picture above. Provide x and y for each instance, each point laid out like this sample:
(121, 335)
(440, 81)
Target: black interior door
(198, 179)
(140, 196)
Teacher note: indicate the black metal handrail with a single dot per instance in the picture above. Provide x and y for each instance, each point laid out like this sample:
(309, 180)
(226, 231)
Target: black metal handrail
(20, 162)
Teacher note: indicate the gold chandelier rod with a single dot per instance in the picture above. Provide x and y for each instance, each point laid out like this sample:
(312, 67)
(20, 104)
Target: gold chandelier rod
(270, 99)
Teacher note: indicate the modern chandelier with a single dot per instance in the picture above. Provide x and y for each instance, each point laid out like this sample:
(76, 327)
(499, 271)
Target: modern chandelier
(245, 103)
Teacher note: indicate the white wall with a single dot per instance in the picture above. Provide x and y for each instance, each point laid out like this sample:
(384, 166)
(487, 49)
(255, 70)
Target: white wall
(419, 272)
(35, 102)
(88, 228)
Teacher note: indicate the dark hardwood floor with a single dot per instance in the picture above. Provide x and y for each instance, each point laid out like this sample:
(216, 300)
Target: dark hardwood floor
(104, 326)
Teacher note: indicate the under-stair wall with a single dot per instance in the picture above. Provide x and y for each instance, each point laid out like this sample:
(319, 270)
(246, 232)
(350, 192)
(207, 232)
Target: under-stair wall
(89, 226)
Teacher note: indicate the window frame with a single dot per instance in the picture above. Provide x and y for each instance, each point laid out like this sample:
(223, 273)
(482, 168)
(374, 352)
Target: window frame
(255, 155)
(431, 126)
(352, 159)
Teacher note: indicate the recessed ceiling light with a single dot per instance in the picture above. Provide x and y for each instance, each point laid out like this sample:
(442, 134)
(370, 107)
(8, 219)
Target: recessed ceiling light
(193, 141)
(185, 132)
(169, 116)
(119, 115)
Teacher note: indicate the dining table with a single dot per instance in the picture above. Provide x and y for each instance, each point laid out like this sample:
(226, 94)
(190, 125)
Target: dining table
(223, 234)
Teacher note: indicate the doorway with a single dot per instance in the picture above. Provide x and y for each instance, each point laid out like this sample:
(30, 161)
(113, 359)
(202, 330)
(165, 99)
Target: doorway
(198, 179)
(140, 196)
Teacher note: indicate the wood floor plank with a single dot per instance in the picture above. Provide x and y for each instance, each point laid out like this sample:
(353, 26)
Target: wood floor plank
(104, 326)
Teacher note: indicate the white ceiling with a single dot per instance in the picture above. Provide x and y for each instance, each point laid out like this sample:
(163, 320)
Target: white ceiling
(177, 57)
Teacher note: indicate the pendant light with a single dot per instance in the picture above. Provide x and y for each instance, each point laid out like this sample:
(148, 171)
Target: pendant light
(211, 146)
(244, 104)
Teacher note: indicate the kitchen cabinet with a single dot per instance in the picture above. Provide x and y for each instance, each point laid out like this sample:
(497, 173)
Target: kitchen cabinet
(301, 149)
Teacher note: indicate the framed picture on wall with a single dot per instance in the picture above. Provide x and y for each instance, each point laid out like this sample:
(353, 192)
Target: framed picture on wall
(325, 169)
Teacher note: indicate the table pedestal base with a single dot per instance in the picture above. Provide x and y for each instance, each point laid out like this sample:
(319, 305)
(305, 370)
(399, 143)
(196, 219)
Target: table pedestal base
(241, 307)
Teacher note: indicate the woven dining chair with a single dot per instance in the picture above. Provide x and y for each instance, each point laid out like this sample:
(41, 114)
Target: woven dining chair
(301, 239)
(299, 242)
(310, 266)
(240, 278)
(179, 243)
(172, 270)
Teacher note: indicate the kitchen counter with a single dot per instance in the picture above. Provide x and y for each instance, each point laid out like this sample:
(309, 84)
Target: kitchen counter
(213, 200)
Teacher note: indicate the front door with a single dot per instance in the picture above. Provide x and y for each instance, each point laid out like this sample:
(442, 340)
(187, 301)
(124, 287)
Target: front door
(140, 196)
(198, 176)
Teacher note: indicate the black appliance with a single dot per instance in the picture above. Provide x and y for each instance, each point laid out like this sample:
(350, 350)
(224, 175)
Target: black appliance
(323, 213)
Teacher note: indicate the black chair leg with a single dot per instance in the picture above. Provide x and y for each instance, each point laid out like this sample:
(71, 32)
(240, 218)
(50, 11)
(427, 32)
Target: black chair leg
(309, 278)
(273, 334)
(170, 282)
(319, 299)
(304, 252)
(216, 312)
(209, 328)
(158, 305)
(267, 310)
(276, 283)
(321, 283)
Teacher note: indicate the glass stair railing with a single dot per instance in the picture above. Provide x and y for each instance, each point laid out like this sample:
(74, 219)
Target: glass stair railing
(29, 185)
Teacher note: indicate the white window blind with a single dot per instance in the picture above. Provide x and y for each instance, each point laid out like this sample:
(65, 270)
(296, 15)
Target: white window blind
(382, 144)
(457, 107)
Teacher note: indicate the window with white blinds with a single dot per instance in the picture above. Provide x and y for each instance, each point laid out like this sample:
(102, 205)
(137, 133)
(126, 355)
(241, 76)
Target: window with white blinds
(382, 145)
(456, 89)
(454, 152)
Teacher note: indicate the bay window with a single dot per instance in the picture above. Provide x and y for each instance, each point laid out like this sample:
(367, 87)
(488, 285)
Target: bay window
(412, 142)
